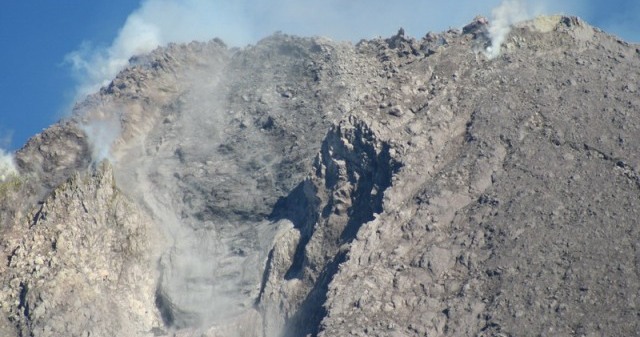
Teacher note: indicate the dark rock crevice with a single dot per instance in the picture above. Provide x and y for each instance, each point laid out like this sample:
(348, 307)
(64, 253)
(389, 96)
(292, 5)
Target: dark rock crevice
(352, 172)
(500, 213)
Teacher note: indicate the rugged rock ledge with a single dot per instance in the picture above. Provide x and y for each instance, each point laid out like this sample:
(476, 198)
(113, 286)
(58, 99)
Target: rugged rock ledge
(450, 194)
(82, 264)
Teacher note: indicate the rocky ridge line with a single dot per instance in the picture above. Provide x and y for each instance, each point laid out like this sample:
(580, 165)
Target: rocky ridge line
(452, 196)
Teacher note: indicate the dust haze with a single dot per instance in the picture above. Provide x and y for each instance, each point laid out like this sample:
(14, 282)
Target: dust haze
(209, 263)
(103, 132)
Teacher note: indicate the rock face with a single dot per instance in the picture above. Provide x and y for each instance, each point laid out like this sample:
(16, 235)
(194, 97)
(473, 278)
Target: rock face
(81, 264)
(303, 187)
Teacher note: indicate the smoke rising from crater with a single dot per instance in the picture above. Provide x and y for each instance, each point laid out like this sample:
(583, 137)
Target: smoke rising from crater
(7, 165)
(159, 22)
(7, 162)
(510, 12)
(503, 17)
(155, 23)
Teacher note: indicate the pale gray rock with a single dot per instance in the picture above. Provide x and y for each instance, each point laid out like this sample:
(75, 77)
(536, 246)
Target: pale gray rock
(83, 265)
(304, 187)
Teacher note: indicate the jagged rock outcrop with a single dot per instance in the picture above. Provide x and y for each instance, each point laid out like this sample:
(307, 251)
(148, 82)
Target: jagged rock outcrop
(82, 264)
(398, 187)
(352, 172)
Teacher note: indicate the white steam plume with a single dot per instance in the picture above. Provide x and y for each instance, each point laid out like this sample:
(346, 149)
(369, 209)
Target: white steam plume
(155, 23)
(7, 166)
(503, 17)
(7, 162)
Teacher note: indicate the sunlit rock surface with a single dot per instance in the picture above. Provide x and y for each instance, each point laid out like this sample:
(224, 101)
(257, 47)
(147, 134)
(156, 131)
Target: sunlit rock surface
(397, 187)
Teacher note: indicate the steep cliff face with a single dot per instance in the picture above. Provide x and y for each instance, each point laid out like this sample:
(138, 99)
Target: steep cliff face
(351, 174)
(82, 263)
(398, 187)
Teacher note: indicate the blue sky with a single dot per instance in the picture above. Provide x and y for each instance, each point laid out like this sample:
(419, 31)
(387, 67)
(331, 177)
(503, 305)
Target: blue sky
(41, 39)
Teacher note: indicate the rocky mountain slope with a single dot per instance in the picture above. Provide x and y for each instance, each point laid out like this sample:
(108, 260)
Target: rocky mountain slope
(306, 187)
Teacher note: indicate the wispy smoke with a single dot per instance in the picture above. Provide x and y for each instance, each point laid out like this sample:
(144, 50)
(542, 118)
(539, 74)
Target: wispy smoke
(7, 166)
(102, 133)
(155, 23)
(7, 163)
(503, 17)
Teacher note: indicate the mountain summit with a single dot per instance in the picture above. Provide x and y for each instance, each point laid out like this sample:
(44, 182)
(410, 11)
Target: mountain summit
(306, 187)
